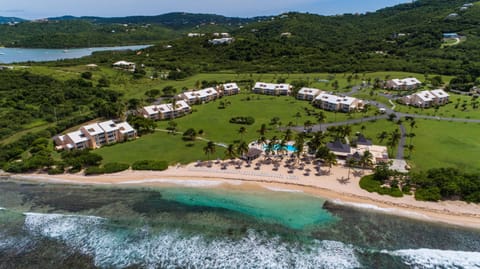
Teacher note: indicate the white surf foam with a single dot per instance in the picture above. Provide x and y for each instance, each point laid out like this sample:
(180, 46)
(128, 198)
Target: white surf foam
(3, 208)
(379, 209)
(119, 248)
(435, 258)
(282, 189)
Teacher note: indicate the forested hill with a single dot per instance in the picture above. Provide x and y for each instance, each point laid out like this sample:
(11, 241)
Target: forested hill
(69, 31)
(406, 37)
(10, 19)
(175, 20)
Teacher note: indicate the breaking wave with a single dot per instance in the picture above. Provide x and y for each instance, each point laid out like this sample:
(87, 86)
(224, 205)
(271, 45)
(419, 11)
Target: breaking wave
(435, 258)
(113, 246)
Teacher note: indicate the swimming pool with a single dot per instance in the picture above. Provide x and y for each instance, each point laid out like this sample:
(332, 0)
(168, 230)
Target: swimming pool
(276, 147)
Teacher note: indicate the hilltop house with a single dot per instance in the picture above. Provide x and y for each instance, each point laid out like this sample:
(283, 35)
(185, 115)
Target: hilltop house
(95, 135)
(228, 89)
(166, 111)
(124, 65)
(403, 84)
(332, 102)
(199, 97)
(220, 41)
(308, 94)
(272, 89)
(426, 99)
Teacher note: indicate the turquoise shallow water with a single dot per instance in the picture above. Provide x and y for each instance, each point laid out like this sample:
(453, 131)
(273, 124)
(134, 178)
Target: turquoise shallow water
(293, 210)
(54, 226)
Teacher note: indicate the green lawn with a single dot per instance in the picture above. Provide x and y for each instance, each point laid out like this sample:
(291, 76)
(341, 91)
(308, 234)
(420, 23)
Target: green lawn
(157, 146)
(449, 110)
(215, 122)
(446, 144)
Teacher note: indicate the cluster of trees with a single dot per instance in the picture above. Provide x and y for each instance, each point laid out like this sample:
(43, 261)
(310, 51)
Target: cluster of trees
(446, 184)
(432, 185)
(28, 99)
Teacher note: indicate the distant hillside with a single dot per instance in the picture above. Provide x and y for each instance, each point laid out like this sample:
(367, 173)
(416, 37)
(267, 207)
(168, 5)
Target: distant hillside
(70, 31)
(10, 19)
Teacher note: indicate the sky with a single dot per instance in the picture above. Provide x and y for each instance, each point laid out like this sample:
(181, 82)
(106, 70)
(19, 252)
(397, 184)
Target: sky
(36, 9)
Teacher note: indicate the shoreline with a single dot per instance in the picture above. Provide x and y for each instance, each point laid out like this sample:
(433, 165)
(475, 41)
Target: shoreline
(332, 186)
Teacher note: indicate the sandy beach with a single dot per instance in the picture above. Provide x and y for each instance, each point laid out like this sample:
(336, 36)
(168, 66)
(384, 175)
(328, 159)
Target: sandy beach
(332, 185)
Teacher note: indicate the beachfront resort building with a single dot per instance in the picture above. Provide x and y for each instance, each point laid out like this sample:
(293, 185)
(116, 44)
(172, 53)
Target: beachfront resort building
(403, 84)
(332, 102)
(124, 65)
(272, 89)
(426, 99)
(308, 94)
(166, 111)
(95, 135)
(346, 151)
(200, 96)
(228, 89)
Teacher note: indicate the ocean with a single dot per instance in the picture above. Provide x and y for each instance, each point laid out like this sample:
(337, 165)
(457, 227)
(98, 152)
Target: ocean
(62, 226)
(18, 55)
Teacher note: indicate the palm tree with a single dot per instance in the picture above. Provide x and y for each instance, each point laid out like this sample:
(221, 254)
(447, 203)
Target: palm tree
(410, 148)
(307, 125)
(393, 139)
(230, 151)
(297, 116)
(321, 118)
(282, 146)
(299, 142)
(242, 131)
(366, 159)
(242, 148)
(316, 142)
(382, 136)
(411, 136)
(263, 129)
(350, 163)
(262, 140)
(288, 134)
(209, 149)
(329, 160)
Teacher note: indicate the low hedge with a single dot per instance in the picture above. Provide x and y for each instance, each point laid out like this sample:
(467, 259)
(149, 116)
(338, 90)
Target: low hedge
(150, 165)
(108, 168)
(371, 185)
(243, 120)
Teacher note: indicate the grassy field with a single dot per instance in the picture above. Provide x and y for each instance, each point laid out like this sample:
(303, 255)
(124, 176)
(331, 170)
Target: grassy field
(446, 144)
(215, 122)
(157, 146)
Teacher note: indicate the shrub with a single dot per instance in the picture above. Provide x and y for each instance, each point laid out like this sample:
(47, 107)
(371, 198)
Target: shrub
(108, 168)
(428, 194)
(150, 165)
(369, 184)
(243, 120)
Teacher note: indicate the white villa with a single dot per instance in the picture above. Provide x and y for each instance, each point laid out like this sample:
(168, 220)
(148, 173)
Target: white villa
(426, 99)
(272, 89)
(124, 65)
(228, 89)
(403, 84)
(337, 103)
(95, 135)
(308, 94)
(166, 111)
(220, 41)
(200, 96)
